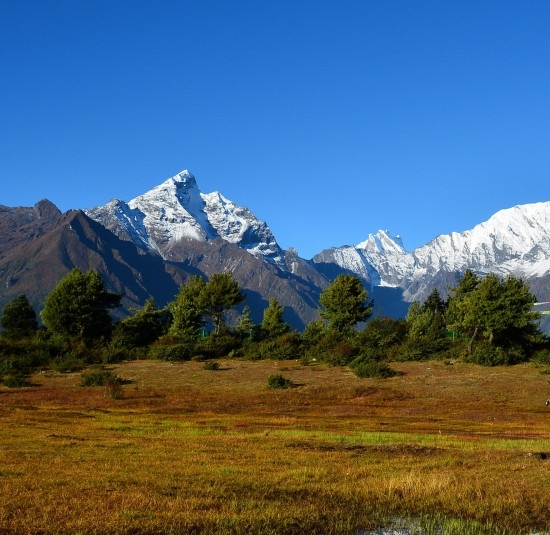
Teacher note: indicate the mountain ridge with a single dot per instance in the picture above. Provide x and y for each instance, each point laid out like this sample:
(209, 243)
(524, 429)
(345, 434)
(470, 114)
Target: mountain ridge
(174, 231)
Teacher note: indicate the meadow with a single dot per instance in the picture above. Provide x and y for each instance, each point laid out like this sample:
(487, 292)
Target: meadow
(181, 449)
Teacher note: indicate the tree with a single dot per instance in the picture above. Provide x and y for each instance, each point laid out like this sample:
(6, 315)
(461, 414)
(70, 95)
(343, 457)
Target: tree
(79, 306)
(434, 303)
(344, 304)
(141, 329)
(273, 324)
(245, 329)
(498, 311)
(221, 294)
(188, 309)
(19, 318)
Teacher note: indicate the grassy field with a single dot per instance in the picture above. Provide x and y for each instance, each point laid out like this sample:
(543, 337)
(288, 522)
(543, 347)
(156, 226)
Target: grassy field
(189, 450)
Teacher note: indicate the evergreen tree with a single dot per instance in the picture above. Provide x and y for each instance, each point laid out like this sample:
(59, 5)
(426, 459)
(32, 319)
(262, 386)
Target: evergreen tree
(19, 318)
(273, 324)
(141, 329)
(434, 303)
(188, 309)
(500, 312)
(344, 304)
(79, 306)
(245, 329)
(221, 294)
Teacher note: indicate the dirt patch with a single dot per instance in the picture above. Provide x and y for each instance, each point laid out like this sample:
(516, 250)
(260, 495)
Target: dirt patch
(391, 449)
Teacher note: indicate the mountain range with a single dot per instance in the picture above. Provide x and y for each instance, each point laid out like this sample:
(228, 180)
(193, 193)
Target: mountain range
(150, 245)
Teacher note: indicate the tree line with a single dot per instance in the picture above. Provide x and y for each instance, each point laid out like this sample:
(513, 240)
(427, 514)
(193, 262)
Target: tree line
(489, 321)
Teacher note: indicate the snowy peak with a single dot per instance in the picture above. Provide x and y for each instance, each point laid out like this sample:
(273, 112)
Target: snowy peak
(175, 211)
(382, 242)
(513, 241)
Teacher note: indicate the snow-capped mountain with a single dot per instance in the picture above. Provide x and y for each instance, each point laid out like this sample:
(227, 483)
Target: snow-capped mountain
(513, 241)
(176, 211)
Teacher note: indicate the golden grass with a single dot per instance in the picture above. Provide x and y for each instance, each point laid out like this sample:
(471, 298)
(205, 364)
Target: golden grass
(188, 450)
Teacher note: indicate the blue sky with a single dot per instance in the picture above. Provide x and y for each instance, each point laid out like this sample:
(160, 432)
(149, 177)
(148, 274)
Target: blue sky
(329, 120)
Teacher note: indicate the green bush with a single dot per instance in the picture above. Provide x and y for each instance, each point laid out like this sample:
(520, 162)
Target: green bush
(69, 362)
(285, 347)
(278, 381)
(372, 369)
(542, 356)
(98, 377)
(16, 381)
(212, 365)
(339, 353)
(216, 346)
(172, 352)
(490, 355)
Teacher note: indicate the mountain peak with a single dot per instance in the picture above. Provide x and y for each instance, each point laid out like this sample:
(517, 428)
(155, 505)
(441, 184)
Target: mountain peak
(177, 210)
(382, 242)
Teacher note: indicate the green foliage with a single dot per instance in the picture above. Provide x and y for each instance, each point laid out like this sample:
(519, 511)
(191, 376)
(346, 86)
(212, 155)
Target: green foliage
(542, 356)
(216, 346)
(273, 325)
(98, 376)
(18, 319)
(382, 334)
(221, 293)
(245, 329)
(344, 304)
(496, 311)
(17, 381)
(491, 355)
(278, 381)
(414, 349)
(78, 306)
(172, 352)
(141, 329)
(314, 333)
(335, 352)
(212, 365)
(188, 310)
(285, 347)
(365, 368)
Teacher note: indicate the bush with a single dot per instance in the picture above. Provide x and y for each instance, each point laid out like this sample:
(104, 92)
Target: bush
(16, 381)
(278, 381)
(98, 377)
(542, 356)
(372, 369)
(212, 365)
(489, 355)
(216, 346)
(172, 352)
(285, 347)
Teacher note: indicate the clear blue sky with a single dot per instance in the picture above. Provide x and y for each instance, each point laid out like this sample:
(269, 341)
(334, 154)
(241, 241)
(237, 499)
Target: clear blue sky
(329, 120)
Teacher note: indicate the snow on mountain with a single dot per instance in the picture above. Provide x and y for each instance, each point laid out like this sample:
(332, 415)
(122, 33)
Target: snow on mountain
(175, 211)
(513, 241)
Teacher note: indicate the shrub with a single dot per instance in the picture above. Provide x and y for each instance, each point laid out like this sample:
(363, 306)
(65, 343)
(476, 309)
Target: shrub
(212, 365)
(372, 369)
(172, 352)
(98, 377)
(339, 353)
(490, 355)
(17, 381)
(285, 347)
(542, 356)
(278, 381)
(216, 346)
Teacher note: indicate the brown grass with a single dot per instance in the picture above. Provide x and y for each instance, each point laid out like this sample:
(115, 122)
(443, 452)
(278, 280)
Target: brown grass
(188, 450)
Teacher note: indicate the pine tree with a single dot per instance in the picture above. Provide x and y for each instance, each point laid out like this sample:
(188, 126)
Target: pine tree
(344, 304)
(79, 306)
(273, 324)
(19, 318)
